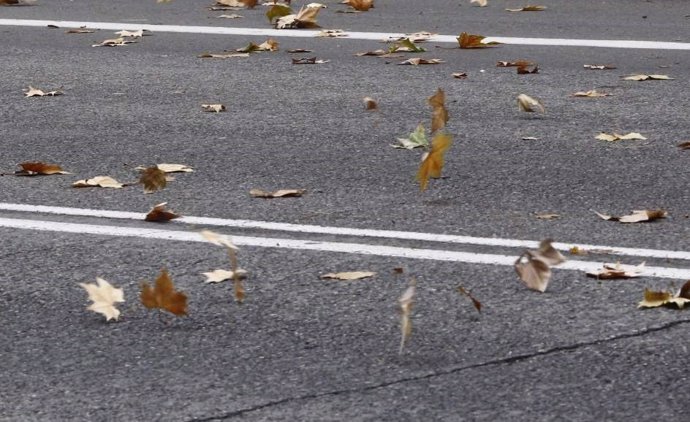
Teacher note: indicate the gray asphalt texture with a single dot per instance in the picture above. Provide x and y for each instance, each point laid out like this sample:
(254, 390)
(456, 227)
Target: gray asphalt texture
(301, 348)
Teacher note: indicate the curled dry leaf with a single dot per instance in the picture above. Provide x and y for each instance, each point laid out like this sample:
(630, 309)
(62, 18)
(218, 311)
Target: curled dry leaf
(348, 275)
(439, 116)
(590, 94)
(647, 78)
(35, 168)
(249, 4)
(359, 5)
(217, 276)
(684, 145)
(415, 140)
(213, 108)
(115, 42)
(477, 304)
(132, 34)
(378, 53)
(415, 61)
(9, 2)
(268, 45)
(459, 75)
(617, 271)
(221, 55)
(159, 214)
(163, 295)
(528, 8)
(277, 11)
(98, 181)
(35, 92)
(309, 60)
(467, 41)
(405, 302)
(534, 267)
(331, 33)
(153, 179)
(174, 168)
(231, 16)
(317, 5)
(529, 104)
(432, 161)
(305, 18)
(221, 240)
(547, 216)
(632, 136)
(637, 216)
(527, 69)
(370, 103)
(218, 239)
(599, 66)
(407, 46)
(299, 50)
(281, 193)
(80, 30)
(104, 296)
(654, 299)
(480, 3)
(517, 63)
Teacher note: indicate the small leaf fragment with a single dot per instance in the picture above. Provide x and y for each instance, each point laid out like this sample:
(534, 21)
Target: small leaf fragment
(643, 77)
(281, 193)
(370, 103)
(459, 75)
(406, 302)
(174, 168)
(528, 8)
(98, 181)
(415, 61)
(529, 104)
(35, 92)
(637, 216)
(359, 5)
(480, 3)
(477, 304)
(331, 33)
(104, 296)
(159, 214)
(617, 271)
(218, 239)
(599, 66)
(163, 295)
(213, 108)
(590, 94)
(80, 30)
(432, 162)
(348, 275)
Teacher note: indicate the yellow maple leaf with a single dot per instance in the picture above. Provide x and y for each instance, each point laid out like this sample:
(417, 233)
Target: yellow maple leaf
(432, 162)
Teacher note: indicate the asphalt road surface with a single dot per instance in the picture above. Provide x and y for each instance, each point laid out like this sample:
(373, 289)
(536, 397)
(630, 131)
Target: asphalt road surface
(303, 348)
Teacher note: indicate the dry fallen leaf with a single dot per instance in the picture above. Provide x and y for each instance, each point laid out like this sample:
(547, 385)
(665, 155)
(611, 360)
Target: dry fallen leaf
(405, 302)
(415, 140)
(309, 60)
(359, 5)
(213, 108)
(249, 4)
(104, 297)
(9, 2)
(35, 92)
(439, 116)
(647, 78)
(222, 240)
(80, 30)
(529, 104)
(637, 216)
(534, 267)
(221, 55)
(654, 299)
(231, 16)
(591, 94)
(370, 103)
(547, 216)
(131, 34)
(331, 33)
(305, 18)
(617, 271)
(599, 66)
(634, 136)
(35, 168)
(218, 276)
(163, 295)
(115, 42)
(477, 304)
(432, 161)
(684, 145)
(299, 50)
(268, 45)
(527, 69)
(517, 63)
(480, 3)
(407, 46)
(98, 181)
(282, 193)
(159, 214)
(378, 53)
(415, 61)
(528, 8)
(459, 75)
(466, 40)
(174, 168)
(348, 275)
(153, 179)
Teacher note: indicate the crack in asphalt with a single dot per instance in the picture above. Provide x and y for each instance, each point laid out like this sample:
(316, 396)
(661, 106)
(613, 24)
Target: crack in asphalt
(502, 361)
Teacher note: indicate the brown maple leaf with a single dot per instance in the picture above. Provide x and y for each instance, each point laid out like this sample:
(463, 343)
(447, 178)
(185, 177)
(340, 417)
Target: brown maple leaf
(163, 295)
(153, 179)
(432, 163)
(439, 116)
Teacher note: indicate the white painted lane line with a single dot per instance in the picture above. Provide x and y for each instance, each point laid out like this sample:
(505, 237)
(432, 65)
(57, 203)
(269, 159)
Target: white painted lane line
(266, 32)
(310, 245)
(343, 231)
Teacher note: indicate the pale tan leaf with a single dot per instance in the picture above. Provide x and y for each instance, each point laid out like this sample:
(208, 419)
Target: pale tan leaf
(218, 239)
(617, 271)
(213, 108)
(599, 66)
(348, 275)
(130, 34)
(115, 42)
(281, 193)
(104, 297)
(415, 61)
(35, 92)
(591, 94)
(480, 3)
(533, 271)
(217, 276)
(643, 77)
(549, 254)
(98, 181)
(331, 33)
(80, 30)
(359, 5)
(222, 55)
(547, 216)
(528, 8)
(231, 16)
(613, 137)
(174, 168)
(529, 104)
(406, 302)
